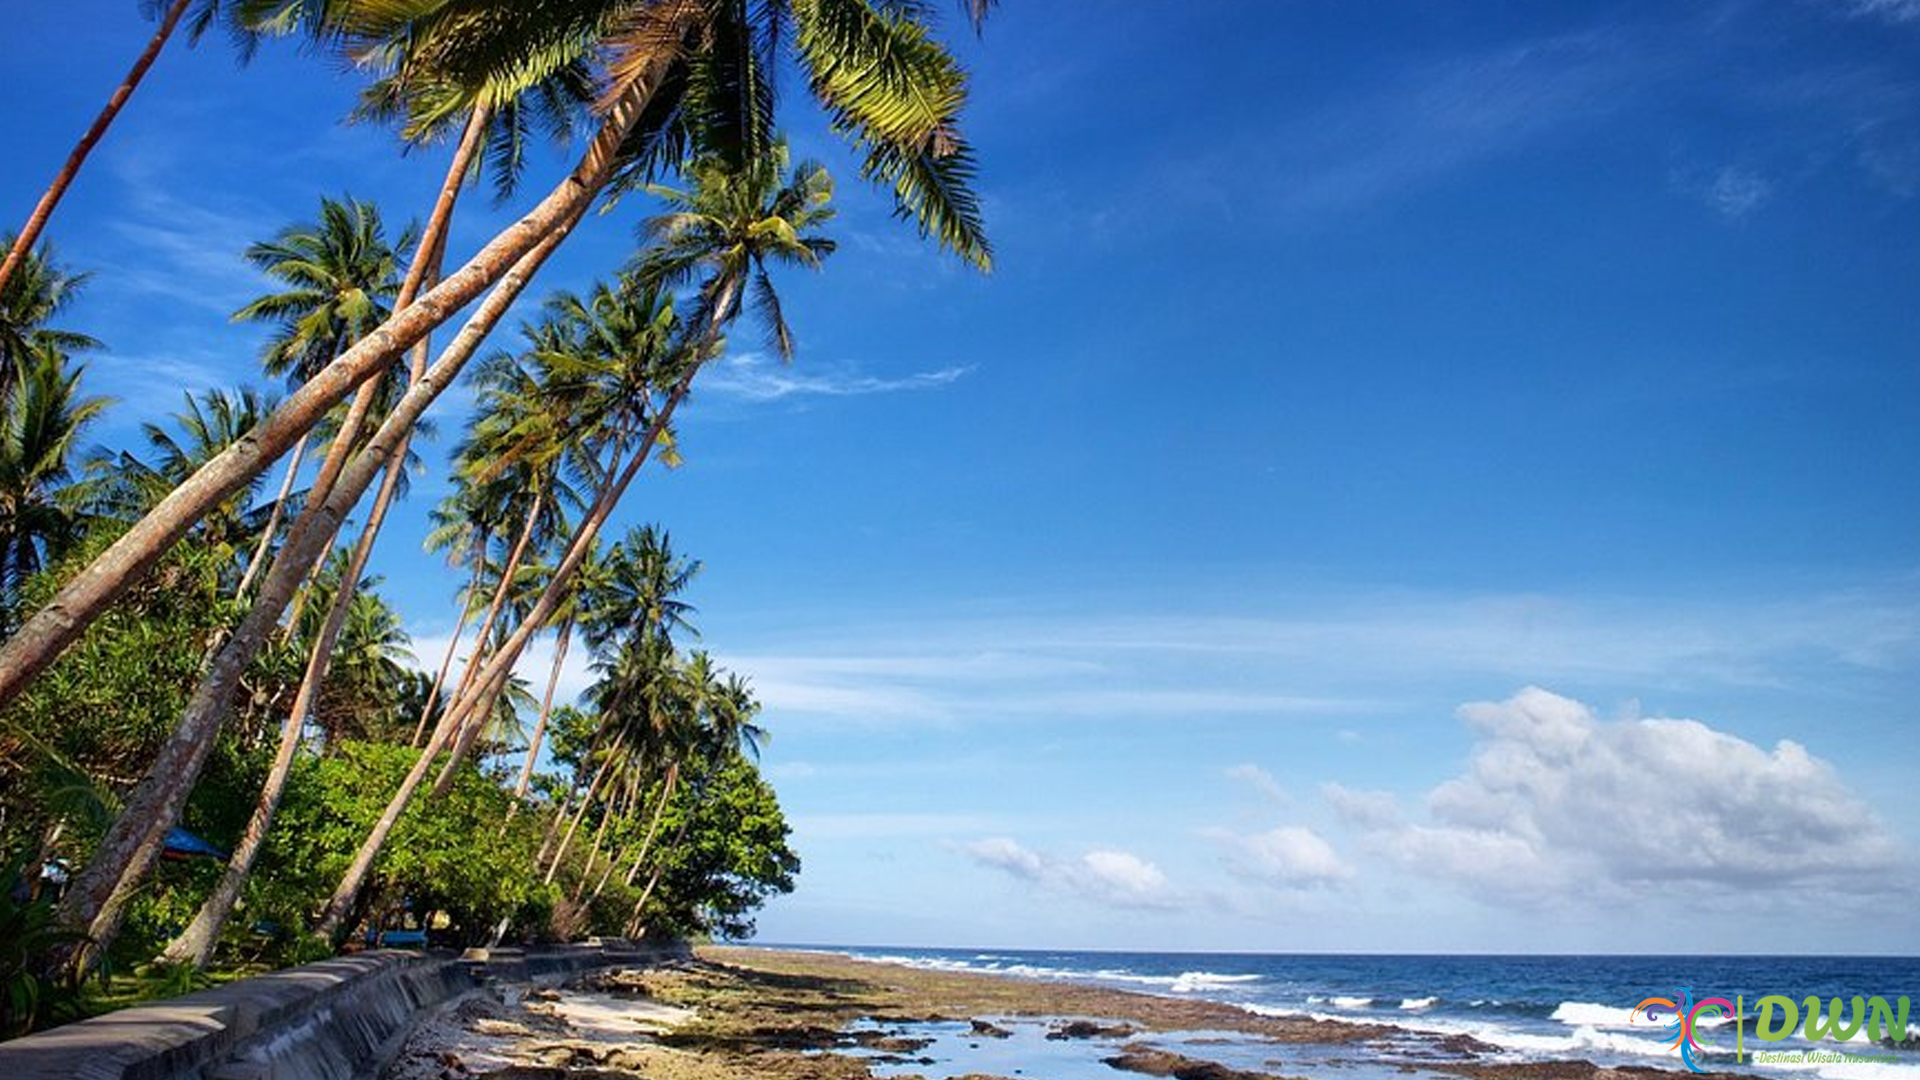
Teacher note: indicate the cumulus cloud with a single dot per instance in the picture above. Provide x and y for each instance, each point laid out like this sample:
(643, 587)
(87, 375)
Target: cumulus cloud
(1291, 855)
(1557, 801)
(1259, 780)
(1107, 877)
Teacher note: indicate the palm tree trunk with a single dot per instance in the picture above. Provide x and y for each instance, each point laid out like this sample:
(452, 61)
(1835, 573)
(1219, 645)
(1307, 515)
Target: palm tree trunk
(260, 549)
(197, 942)
(98, 898)
(37, 221)
(453, 647)
(56, 625)
(540, 725)
(653, 827)
(580, 814)
(471, 729)
(639, 906)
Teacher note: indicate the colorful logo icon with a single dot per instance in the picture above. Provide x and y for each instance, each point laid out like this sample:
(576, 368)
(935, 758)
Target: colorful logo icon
(1680, 1019)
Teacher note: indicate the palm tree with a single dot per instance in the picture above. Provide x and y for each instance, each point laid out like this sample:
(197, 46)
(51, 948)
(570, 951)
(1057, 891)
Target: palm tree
(339, 278)
(37, 291)
(369, 657)
(892, 89)
(122, 486)
(726, 230)
(888, 85)
(40, 422)
(170, 18)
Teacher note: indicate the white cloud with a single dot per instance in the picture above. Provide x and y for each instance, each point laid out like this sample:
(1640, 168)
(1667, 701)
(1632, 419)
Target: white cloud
(1891, 10)
(1107, 877)
(1559, 803)
(1259, 780)
(754, 377)
(1291, 855)
(1733, 191)
(1367, 809)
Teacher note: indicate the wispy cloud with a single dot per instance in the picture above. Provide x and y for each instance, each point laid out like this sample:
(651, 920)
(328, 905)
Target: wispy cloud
(1897, 11)
(1259, 780)
(757, 378)
(1353, 657)
(1734, 191)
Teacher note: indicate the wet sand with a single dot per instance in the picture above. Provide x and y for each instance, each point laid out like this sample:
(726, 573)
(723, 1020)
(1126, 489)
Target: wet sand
(755, 1014)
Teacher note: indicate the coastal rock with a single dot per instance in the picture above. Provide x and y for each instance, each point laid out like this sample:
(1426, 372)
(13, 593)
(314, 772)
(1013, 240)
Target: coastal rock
(990, 1030)
(1090, 1029)
(1152, 1061)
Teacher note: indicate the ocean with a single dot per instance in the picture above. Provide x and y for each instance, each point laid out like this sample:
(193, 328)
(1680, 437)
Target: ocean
(1530, 1007)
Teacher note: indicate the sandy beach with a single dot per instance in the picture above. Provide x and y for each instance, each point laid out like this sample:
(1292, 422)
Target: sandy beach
(735, 1013)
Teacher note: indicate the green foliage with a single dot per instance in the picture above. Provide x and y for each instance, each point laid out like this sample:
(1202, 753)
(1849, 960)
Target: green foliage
(28, 1000)
(729, 856)
(88, 727)
(449, 854)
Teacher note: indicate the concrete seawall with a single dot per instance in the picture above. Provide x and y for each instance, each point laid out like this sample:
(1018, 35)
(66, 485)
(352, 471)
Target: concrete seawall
(334, 1020)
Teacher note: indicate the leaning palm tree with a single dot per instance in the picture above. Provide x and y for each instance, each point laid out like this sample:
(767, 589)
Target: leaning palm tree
(40, 424)
(171, 16)
(37, 291)
(889, 87)
(724, 231)
(338, 276)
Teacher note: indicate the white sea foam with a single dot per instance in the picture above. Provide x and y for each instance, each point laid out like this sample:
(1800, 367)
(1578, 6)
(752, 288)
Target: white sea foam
(1588, 1014)
(1418, 1003)
(1189, 982)
(1347, 1002)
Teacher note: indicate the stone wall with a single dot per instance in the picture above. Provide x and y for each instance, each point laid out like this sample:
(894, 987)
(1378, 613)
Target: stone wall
(334, 1020)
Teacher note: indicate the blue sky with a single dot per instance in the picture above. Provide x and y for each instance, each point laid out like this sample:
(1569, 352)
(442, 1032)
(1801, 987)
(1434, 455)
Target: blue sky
(1422, 476)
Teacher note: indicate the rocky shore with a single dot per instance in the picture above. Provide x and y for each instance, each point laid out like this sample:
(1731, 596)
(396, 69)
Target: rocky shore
(752, 1014)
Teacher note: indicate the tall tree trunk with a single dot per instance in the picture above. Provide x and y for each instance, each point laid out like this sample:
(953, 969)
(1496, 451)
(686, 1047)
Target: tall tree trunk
(37, 221)
(196, 944)
(653, 827)
(580, 813)
(634, 927)
(453, 646)
(421, 272)
(51, 629)
(97, 900)
(540, 725)
(469, 731)
(260, 549)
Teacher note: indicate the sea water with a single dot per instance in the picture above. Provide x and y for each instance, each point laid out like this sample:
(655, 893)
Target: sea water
(1530, 1007)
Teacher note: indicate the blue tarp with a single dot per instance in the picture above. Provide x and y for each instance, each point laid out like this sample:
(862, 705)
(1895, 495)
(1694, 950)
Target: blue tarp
(182, 844)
